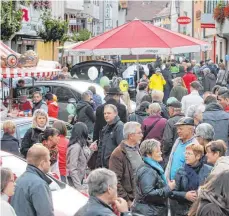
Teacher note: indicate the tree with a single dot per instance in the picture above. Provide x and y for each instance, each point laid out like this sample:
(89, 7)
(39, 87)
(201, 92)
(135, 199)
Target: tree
(10, 19)
(53, 29)
(82, 35)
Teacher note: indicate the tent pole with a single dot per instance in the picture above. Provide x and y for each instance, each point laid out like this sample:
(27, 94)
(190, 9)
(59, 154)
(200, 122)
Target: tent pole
(138, 75)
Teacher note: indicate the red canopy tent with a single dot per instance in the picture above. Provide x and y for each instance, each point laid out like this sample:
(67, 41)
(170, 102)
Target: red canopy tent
(138, 38)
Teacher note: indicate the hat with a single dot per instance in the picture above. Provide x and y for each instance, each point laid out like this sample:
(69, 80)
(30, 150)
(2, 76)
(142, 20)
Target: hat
(174, 104)
(114, 91)
(185, 121)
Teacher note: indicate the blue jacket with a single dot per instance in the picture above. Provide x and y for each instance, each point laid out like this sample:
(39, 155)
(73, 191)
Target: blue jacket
(180, 205)
(32, 195)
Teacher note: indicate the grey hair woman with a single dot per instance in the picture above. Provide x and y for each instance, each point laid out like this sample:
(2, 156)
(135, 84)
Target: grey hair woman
(204, 134)
(152, 189)
(195, 112)
(33, 134)
(7, 190)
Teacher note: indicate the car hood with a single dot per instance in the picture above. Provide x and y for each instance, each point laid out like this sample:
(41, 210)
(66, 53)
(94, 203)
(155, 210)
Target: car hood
(74, 200)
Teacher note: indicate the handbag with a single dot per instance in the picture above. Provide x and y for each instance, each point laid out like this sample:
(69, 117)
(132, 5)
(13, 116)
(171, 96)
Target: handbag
(150, 128)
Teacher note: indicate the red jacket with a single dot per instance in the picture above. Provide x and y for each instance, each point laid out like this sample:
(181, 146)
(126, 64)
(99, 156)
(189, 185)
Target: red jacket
(53, 109)
(188, 78)
(62, 148)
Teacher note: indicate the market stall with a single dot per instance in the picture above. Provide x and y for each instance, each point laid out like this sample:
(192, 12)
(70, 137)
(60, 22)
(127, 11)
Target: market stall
(14, 65)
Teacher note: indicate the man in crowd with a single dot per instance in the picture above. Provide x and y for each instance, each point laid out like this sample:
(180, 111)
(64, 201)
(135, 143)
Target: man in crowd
(193, 98)
(53, 107)
(20, 83)
(185, 131)
(111, 135)
(169, 83)
(102, 184)
(217, 117)
(170, 132)
(113, 97)
(157, 97)
(196, 112)
(32, 195)
(85, 111)
(126, 159)
(38, 103)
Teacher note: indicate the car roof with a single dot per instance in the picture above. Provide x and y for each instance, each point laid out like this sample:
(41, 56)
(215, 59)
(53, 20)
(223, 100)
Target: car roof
(80, 85)
(4, 154)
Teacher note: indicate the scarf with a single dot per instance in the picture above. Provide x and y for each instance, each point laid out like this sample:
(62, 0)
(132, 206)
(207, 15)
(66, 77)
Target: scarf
(192, 174)
(157, 166)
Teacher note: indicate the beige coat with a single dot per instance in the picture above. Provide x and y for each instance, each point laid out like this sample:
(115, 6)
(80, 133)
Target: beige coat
(222, 164)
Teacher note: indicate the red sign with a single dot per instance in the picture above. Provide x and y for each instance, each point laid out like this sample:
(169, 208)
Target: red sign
(207, 25)
(183, 20)
(25, 15)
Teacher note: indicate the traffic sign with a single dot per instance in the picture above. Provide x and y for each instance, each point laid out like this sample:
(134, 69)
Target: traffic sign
(184, 20)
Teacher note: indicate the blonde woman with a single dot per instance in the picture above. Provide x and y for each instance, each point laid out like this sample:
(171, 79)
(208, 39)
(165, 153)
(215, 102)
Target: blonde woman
(33, 135)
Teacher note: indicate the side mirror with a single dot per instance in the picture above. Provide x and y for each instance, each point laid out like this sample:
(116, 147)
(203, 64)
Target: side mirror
(72, 100)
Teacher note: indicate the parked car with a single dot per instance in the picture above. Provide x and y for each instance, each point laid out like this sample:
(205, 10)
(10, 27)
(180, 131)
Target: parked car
(66, 200)
(64, 90)
(81, 69)
(24, 123)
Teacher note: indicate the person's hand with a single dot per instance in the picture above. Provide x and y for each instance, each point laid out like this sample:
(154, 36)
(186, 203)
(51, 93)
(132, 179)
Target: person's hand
(171, 184)
(94, 146)
(191, 196)
(121, 205)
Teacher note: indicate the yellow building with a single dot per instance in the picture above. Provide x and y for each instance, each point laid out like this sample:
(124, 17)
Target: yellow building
(47, 51)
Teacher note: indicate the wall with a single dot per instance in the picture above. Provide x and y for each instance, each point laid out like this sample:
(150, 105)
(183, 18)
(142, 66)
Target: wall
(74, 5)
(174, 16)
(58, 8)
(45, 50)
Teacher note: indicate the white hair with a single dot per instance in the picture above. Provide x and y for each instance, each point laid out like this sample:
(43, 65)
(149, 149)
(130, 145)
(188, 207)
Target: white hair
(154, 108)
(157, 95)
(130, 128)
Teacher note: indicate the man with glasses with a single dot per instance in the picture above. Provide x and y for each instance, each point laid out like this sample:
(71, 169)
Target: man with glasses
(126, 159)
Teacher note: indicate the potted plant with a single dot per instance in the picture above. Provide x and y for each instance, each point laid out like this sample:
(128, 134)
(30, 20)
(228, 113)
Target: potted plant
(226, 11)
(219, 13)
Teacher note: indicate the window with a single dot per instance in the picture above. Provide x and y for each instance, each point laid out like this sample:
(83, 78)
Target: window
(63, 94)
(22, 129)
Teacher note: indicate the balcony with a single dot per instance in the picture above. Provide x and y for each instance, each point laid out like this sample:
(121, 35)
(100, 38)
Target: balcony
(91, 9)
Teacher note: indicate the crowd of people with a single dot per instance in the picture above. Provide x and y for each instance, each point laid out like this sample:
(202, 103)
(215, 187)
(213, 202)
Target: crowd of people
(168, 157)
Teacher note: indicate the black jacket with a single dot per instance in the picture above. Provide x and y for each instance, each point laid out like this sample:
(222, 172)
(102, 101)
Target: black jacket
(138, 116)
(38, 106)
(96, 207)
(180, 206)
(85, 114)
(100, 121)
(10, 144)
(32, 136)
(111, 137)
(170, 136)
(169, 83)
(32, 195)
(164, 111)
(151, 192)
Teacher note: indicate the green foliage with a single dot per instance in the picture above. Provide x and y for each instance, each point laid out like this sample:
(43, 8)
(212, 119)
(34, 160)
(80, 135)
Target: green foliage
(82, 35)
(10, 19)
(53, 29)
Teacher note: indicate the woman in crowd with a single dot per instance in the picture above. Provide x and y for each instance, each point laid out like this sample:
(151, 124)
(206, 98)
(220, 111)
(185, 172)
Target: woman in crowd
(157, 81)
(213, 198)
(154, 125)
(50, 139)
(189, 77)
(178, 91)
(96, 98)
(62, 147)
(78, 154)
(125, 97)
(215, 89)
(152, 189)
(222, 76)
(8, 142)
(188, 179)
(140, 114)
(142, 91)
(216, 155)
(7, 190)
(32, 136)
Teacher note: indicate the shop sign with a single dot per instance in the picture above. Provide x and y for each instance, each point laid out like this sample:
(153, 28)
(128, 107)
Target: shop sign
(183, 20)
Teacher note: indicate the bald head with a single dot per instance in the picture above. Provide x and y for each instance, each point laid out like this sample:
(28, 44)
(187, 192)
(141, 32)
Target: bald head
(39, 156)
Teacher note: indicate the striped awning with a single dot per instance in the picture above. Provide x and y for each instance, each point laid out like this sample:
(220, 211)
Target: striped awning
(28, 72)
(5, 50)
